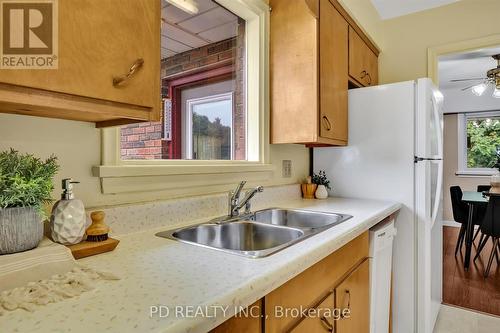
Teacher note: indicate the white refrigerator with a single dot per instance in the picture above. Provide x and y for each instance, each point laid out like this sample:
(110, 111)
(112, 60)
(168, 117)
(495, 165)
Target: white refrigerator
(395, 153)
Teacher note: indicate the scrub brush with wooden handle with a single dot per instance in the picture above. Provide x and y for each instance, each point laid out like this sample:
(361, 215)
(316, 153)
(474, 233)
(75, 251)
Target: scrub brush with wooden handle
(98, 230)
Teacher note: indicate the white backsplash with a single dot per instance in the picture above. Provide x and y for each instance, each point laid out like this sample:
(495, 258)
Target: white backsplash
(172, 213)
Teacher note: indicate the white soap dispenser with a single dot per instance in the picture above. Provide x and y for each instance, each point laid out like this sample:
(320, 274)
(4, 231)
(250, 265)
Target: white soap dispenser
(68, 220)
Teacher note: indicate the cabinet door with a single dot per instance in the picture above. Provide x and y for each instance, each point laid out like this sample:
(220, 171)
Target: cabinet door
(321, 321)
(363, 63)
(250, 322)
(353, 294)
(333, 62)
(100, 40)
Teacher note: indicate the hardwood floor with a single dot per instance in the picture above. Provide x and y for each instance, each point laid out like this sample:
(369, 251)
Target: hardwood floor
(469, 289)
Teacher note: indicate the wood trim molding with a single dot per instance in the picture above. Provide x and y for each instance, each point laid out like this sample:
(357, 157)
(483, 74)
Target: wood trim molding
(433, 53)
(175, 87)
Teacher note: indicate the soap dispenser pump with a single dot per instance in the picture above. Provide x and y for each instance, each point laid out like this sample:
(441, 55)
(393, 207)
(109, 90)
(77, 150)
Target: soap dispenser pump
(68, 220)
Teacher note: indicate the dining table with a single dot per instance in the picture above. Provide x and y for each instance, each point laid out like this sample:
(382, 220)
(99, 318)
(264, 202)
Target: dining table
(473, 200)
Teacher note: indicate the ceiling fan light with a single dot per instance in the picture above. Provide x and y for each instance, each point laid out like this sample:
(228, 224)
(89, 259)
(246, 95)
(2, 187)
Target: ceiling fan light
(479, 89)
(496, 93)
(189, 6)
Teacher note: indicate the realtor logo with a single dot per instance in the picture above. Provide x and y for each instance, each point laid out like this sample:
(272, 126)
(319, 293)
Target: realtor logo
(28, 34)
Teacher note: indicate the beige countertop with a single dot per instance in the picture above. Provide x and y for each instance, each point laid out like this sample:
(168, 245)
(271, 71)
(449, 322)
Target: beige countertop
(160, 273)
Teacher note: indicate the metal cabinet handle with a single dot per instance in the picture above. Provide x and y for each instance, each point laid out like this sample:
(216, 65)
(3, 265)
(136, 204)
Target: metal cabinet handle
(133, 69)
(366, 74)
(327, 123)
(348, 295)
(326, 324)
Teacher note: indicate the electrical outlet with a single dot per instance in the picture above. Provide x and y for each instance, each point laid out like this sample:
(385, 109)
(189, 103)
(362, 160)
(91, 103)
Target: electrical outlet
(286, 170)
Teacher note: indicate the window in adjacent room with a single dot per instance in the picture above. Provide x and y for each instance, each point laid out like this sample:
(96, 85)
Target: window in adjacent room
(479, 141)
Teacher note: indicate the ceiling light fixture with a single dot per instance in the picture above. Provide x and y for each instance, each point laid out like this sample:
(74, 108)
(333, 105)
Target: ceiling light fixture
(189, 6)
(492, 79)
(479, 89)
(496, 93)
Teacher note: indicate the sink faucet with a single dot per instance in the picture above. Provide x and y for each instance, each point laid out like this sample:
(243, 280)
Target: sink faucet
(234, 199)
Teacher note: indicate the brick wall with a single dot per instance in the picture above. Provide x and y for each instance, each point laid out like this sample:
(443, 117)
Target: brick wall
(144, 141)
(197, 59)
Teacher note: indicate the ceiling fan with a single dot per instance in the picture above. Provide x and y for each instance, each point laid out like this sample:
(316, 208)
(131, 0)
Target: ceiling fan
(492, 79)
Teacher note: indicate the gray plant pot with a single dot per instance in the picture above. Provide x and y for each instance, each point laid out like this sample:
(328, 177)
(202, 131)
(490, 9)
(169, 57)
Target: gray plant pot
(21, 229)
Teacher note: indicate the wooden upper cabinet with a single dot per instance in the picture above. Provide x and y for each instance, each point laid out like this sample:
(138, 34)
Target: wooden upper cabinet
(98, 41)
(309, 71)
(294, 71)
(363, 62)
(333, 62)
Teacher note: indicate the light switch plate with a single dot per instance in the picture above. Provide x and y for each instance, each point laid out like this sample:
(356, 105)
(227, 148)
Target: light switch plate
(286, 170)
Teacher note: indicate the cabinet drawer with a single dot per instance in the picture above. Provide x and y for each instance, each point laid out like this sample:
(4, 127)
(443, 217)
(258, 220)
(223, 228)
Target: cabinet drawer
(353, 294)
(363, 63)
(100, 40)
(307, 289)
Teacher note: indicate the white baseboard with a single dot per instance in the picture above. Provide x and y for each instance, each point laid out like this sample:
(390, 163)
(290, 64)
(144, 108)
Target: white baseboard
(451, 224)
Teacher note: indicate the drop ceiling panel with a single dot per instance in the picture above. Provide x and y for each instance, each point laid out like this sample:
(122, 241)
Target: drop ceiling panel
(388, 9)
(207, 20)
(222, 32)
(174, 14)
(165, 53)
(176, 33)
(182, 31)
(173, 45)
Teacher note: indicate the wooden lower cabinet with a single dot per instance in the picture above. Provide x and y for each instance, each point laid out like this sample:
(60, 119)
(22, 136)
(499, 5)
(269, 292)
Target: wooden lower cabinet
(320, 320)
(354, 294)
(314, 301)
(243, 324)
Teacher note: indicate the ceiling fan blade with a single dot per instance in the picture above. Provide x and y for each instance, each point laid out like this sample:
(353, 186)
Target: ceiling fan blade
(475, 79)
(464, 89)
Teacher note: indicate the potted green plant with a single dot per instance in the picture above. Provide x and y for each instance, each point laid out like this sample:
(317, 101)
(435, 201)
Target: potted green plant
(323, 184)
(25, 186)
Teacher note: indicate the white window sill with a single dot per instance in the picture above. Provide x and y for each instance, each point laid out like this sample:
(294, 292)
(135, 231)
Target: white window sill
(145, 178)
(475, 173)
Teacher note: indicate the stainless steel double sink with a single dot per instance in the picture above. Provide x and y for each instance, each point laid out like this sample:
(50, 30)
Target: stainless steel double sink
(258, 234)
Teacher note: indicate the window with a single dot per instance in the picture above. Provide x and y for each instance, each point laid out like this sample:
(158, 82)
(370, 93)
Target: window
(165, 167)
(209, 128)
(203, 72)
(479, 142)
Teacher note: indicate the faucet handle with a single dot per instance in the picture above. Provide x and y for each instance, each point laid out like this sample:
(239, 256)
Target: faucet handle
(237, 191)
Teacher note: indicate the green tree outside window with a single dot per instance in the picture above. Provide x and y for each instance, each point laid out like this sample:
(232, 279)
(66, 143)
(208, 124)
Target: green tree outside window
(483, 138)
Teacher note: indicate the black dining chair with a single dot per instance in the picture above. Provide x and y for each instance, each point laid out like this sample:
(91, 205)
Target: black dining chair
(480, 211)
(460, 214)
(483, 188)
(491, 228)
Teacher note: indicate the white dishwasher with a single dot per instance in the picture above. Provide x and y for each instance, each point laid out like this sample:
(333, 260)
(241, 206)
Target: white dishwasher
(381, 239)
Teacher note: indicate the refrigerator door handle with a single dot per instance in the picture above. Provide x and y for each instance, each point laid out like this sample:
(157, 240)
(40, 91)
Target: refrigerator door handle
(437, 198)
(437, 120)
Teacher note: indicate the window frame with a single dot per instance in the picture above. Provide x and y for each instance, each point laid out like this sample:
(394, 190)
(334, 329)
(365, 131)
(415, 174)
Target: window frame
(462, 120)
(190, 103)
(121, 176)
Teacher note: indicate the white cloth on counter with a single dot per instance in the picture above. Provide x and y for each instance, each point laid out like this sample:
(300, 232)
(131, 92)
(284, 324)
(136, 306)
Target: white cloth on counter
(46, 274)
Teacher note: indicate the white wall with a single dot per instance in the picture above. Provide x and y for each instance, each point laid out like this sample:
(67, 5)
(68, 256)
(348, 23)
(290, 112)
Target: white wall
(78, 147)
(464, 101)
